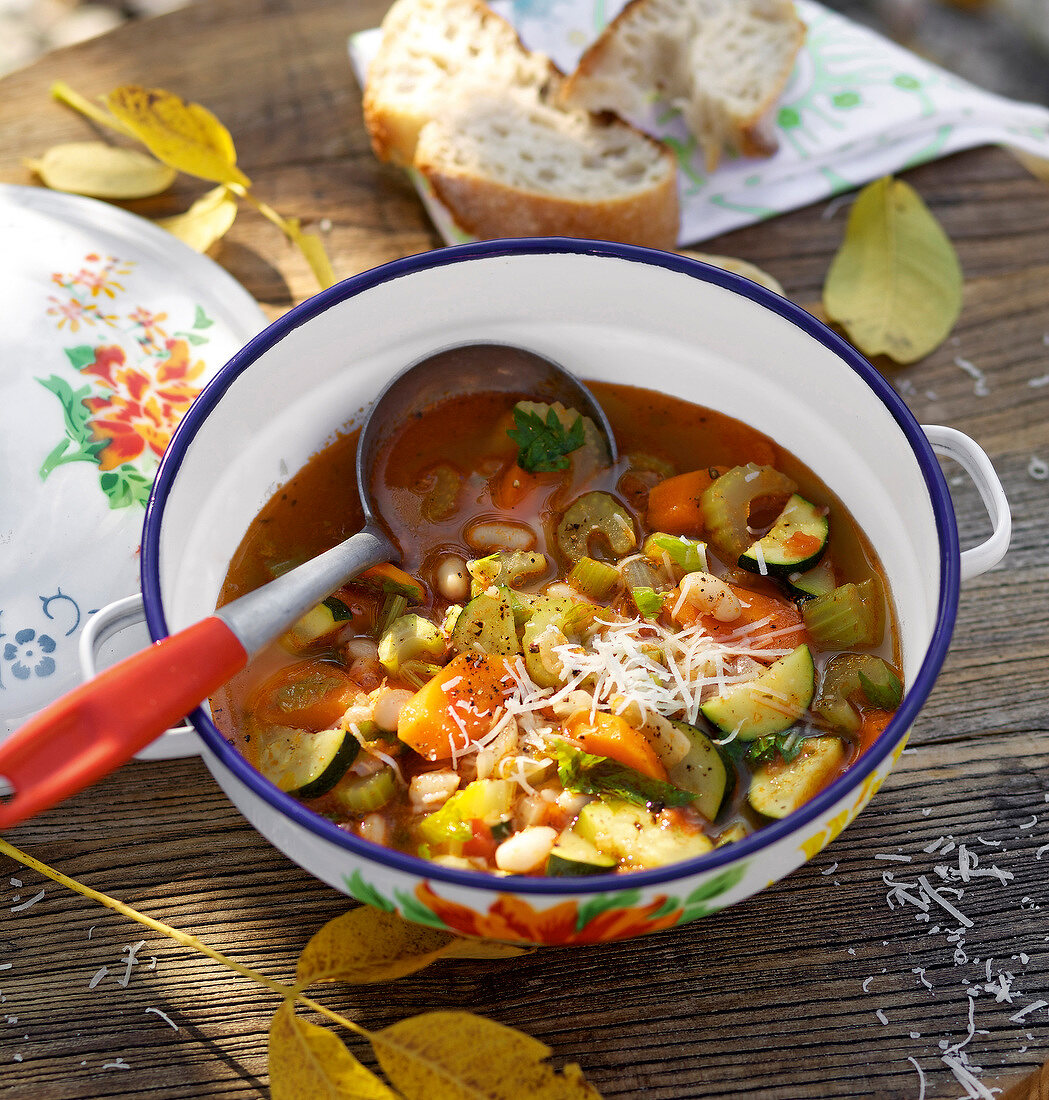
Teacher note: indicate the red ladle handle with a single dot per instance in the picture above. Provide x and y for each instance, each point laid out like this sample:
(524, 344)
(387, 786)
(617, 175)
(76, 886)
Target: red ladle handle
(103, 723)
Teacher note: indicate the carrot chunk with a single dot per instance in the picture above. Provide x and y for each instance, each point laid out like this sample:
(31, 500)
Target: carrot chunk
(673, 504)
(773, 613)
(612, 736)
(310, 695)
(455, 707)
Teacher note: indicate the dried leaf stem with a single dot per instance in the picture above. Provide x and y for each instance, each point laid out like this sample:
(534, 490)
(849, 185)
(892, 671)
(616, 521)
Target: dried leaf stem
(280, 988)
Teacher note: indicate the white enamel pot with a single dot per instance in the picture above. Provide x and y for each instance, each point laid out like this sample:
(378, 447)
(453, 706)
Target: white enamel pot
(607, 312)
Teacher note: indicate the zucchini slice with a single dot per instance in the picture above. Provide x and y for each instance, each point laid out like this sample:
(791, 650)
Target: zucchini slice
(634, 835)
(769, 704)
(317, 623)
(818, 581)
(793, 544)
(726, 501)
(573, 856)
(702, 772)
(778, 788)
(486, 625)
(307, 764)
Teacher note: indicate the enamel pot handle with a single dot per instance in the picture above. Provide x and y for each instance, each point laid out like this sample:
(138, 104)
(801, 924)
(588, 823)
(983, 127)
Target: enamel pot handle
(108, 621)
(956, 445)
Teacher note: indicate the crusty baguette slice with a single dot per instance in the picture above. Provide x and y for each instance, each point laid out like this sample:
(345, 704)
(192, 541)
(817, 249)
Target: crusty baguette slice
(429, 48)
(506, 164)
(723, 63)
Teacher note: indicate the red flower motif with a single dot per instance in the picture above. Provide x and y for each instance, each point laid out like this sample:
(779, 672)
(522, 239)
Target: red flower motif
(512, 919)
(141, 410)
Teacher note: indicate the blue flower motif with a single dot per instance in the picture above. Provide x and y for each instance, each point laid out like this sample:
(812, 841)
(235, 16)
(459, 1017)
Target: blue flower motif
(29, 654)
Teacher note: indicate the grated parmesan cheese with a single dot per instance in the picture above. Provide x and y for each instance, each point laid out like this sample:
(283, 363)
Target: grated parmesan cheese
(26, 904)
(165, 1017)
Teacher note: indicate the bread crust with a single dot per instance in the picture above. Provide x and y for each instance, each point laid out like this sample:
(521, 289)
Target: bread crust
(488, 209)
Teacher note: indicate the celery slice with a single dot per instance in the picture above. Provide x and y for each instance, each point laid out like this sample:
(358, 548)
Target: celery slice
(595, 579)
(726, 502)
(688, 554)
(362, 795)
(595, 515)
(409, 638)
(851, 615)
(487, 800)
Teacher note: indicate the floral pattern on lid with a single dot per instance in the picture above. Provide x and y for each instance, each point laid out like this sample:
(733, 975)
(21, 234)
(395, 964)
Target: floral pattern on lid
(109, 328)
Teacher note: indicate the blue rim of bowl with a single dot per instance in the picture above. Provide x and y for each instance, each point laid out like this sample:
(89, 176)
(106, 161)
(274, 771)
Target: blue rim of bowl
(415, 866)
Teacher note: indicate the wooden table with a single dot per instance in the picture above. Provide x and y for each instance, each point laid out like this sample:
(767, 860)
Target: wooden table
(815, 988)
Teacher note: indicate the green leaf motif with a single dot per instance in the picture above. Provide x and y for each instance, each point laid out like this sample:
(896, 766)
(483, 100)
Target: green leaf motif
(192, 338)
(125, 486)
(412, 909)
(717, 885)
(601, 903)
(366, 893)
(201, 319)
(76, 416)
(81, 356)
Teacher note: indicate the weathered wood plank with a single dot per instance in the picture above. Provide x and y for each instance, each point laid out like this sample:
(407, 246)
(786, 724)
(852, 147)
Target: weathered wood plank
(778, 997)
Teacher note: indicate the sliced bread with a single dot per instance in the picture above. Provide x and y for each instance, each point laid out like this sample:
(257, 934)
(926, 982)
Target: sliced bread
(428, 51)
(723, 63)
(507, 164)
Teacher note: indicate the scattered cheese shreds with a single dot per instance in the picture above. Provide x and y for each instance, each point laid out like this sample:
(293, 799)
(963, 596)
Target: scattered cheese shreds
(26, 904)
(165, 1017)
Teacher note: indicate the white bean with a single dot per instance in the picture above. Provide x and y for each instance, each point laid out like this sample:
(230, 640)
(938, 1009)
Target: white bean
(373, 828)
(453, 581)
(362, 649)
(387, 709)
(430, 790)
(525, 851)
(571, 802)
(500, 535)
(711, 595)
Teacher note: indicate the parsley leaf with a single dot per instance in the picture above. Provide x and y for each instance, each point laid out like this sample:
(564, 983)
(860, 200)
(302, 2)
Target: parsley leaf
(588, 774)
(787, 745)
(544, 446)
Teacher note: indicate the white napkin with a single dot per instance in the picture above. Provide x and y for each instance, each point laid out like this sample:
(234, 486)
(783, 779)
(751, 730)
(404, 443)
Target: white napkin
(857, 107)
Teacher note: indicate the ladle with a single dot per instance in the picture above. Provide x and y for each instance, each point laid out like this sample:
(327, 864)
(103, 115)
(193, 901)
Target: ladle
(101, 724)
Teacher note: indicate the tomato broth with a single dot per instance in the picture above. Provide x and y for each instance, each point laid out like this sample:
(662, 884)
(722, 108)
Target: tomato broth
(577, 666)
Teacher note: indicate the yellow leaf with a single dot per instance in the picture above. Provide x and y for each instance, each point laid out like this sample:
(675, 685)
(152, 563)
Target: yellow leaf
(311, 246)
(185, 135)
(307, 1062)
(102, 171)
(484, 949)
(61, 91)
(368, 945)
(459, 1056)
(895, 285)
(206, 221)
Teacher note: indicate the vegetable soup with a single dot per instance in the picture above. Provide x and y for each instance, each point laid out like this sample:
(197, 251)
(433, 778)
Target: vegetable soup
(578, 666)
